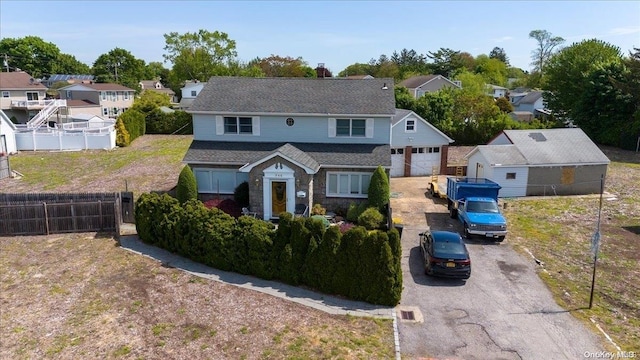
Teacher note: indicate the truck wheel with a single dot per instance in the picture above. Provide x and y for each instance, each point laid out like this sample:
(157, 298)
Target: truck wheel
(500, 239)
(467, 235)
(433, 194)
(453, 213)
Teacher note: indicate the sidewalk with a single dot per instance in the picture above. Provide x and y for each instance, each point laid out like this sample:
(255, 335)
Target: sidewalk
(327, 303)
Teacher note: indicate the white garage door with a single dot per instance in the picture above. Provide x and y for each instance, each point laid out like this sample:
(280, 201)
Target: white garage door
(397, 162)
(423, 159)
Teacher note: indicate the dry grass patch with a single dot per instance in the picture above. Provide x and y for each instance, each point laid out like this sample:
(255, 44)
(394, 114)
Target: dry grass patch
(82, 296)
(558, 231)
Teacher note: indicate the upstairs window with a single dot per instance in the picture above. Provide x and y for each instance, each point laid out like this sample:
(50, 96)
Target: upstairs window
(32, 95)
(193, 93)
(238, 125)
(410, 125)
(351, 127)
(5, 94)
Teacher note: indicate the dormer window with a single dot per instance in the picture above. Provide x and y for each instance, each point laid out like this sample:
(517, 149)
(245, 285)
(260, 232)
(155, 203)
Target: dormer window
(410, 125)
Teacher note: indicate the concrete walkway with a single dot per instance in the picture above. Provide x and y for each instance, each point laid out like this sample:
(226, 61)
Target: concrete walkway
(327, 303)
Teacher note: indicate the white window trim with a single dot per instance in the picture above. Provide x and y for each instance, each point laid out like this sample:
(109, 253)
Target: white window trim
(406, 126)
(126, 95)
(368, 128)
(6, 94)
(348, 195)
(213, 191)
(103, 95)
(255, 126)
(32, 92)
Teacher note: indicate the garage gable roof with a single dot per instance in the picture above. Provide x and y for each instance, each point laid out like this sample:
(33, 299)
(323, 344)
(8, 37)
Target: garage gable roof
(500, 155)
(402, 114)
(566, 146)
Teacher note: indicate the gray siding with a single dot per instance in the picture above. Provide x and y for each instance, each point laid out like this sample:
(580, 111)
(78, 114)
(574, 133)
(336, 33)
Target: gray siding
(423, 136)
(567, 180)
(305, 129)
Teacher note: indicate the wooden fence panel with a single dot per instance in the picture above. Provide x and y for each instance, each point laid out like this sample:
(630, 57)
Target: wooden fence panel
(32, 217)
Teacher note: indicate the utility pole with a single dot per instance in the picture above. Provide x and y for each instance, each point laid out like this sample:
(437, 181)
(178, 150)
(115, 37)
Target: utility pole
(595, 243)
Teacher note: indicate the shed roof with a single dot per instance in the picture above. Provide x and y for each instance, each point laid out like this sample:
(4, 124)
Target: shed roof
(563, 146)
(296, 96)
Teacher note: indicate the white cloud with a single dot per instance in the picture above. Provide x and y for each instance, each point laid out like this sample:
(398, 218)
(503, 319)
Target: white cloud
(503, 39)
(625, 30)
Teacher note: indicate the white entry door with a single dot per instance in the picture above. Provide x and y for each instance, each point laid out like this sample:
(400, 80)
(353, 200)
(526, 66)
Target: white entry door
(397, 162)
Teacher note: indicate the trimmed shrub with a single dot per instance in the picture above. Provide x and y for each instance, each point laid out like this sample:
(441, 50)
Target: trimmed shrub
(187, 187)
(229, 206)
(354, 211)
(134, 122)
(241, 194)
(379, 191)
(318, 209)
(122, 135)
(371, 219)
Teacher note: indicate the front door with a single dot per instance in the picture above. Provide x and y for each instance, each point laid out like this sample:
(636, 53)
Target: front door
(278, 197)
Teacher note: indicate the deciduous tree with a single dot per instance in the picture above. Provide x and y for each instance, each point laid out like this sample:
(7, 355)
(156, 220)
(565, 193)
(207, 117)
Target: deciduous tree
(31, 54)
(198, 55)
(545, 47)
(121, 67)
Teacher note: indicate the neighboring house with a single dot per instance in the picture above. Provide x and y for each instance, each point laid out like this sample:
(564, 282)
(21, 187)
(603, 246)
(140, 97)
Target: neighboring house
(112, 98)
(7, 135)
(522, 116)
(420, 85)
(157, 86)
(296, 141)
(540, 162)
(190, 91)
(22, 97)
(497, 91)
(416, 145)
(68, 78)
(359, 77)
(85, 107)
(529, 102)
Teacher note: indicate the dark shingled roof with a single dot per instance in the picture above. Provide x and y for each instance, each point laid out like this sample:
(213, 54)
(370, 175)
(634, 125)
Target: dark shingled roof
(312, 155)
(296, 96)
(415, 81)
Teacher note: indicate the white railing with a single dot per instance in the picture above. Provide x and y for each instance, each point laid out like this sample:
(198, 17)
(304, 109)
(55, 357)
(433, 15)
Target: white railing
(30, 104)
(51, 107)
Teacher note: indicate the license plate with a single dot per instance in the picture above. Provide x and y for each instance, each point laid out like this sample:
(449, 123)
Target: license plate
(450, 264)
(489, 234)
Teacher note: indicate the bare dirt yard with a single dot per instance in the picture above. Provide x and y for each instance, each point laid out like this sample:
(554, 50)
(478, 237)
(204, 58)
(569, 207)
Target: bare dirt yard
(81, 296)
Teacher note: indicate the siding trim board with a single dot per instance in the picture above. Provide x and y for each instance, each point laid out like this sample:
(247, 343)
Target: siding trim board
(286, 114)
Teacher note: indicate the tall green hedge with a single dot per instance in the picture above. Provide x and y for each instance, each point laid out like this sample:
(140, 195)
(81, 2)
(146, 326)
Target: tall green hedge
(360, 264)
(134, 123)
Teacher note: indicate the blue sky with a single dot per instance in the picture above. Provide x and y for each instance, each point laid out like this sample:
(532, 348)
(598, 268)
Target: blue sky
(337, 33)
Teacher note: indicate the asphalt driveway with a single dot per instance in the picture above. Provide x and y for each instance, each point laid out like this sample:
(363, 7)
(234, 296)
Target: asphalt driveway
(504, 311)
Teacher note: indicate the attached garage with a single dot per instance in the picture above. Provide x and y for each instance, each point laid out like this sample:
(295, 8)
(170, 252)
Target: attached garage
(416, 145)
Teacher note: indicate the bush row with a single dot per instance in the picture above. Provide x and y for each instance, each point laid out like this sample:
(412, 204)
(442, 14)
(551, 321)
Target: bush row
(134, 125)
(359, 264)
(159, 122)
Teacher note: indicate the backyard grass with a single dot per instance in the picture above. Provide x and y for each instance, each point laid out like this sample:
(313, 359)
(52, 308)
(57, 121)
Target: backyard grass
(151, 163)
(558, 231)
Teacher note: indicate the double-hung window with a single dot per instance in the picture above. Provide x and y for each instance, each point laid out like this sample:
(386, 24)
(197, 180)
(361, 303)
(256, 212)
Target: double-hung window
(32, 95)
(341, 184)
(351, 127)
(410, 125)
(238, 125)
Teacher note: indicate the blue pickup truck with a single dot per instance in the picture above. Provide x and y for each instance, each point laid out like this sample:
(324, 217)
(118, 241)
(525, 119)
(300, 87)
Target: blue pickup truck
(474, 201)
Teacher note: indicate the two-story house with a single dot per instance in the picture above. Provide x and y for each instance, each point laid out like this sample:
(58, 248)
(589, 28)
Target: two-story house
(189, 92)
(294, 140)
(22, 97)
(156, 86)
(113, 99)
(420, 85)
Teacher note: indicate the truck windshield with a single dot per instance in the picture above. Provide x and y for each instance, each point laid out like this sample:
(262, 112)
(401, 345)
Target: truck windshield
(482, 207)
